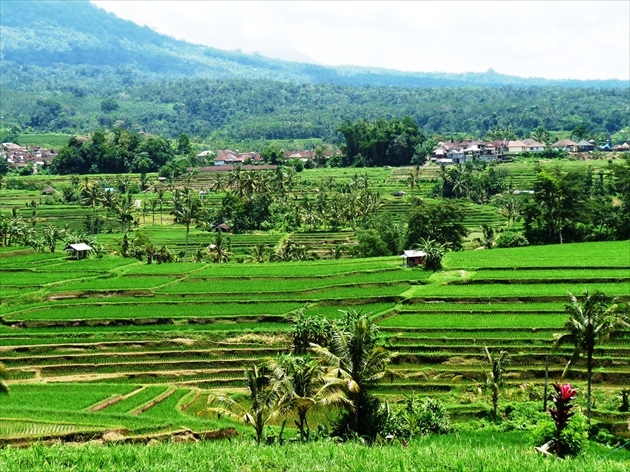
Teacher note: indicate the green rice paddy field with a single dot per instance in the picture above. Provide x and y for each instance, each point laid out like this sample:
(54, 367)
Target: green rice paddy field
(101, 344)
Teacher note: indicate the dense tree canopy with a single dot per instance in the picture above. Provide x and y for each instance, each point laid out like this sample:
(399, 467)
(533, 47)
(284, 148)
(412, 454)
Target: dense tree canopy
(380, 143)
(118, 151)
(440, 223)
(574, 206)
(238, 109)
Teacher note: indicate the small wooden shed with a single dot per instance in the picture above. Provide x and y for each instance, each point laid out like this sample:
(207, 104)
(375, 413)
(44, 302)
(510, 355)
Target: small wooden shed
(221, 228)
(79, 250)
(414, 257)
(48, 190)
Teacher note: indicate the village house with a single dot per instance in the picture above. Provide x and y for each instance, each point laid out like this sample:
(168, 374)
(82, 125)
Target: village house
(305, 156)
(205, 154)
(226, 168)
(565, 145)
(516, 147)
(533, 146)
(231, 158)
(22, 156)
(585, 146)
(459, 153)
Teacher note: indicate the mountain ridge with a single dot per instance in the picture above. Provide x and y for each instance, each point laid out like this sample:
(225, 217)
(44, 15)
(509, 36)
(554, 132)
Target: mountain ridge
(46, 35)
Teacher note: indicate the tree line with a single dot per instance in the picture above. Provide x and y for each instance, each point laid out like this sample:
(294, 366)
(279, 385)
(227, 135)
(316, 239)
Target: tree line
(239, 109)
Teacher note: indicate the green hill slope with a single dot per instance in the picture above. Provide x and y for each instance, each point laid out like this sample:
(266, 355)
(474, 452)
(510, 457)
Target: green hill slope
(75, 40)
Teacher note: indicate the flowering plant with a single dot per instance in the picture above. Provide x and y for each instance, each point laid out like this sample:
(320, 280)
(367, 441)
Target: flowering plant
(562, 411)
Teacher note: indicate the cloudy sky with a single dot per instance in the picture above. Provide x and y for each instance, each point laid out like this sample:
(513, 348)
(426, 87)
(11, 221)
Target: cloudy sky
(556, 40)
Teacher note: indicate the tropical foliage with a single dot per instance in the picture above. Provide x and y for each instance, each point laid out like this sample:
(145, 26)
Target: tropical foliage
(591, 320)
(354, 356)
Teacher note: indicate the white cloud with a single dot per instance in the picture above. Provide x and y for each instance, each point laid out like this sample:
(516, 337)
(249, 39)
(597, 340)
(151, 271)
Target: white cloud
(562, 39)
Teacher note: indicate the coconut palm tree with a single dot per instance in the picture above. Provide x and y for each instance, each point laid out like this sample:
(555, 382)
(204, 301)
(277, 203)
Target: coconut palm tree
(510, 208)
(541, 135)
(413, 178)
(354, 357)
(187, 212)
(262, 401)
(159, 192)
(85, 185)
(594, 319)
(487, 240)
(51, 234)
(92, 195)
(125, 210)
(301, 384)
(4, 229)
(249, 184)
(494, 377)
(235, 180)
(154, 203)
(366, 204)
(217, 251)
(217, 182)
(259, 253)
(109, 201)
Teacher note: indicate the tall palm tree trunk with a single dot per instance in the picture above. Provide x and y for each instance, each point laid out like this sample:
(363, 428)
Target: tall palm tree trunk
(355, 420)
(589, 378)
(302, 425)
(260, 426)
(186, 249)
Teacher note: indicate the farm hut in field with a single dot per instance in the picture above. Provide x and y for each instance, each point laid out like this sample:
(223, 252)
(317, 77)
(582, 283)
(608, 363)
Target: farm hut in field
(221, 228)
(414, 257)
(48, 191)
(78, 250)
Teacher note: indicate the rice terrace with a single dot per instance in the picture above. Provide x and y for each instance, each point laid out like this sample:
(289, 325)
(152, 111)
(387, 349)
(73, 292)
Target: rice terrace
(268, 238)
(112, 349)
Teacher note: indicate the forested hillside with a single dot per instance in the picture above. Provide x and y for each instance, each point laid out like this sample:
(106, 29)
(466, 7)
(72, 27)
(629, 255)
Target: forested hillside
(62, 42)
(72, 67)
(254, 109)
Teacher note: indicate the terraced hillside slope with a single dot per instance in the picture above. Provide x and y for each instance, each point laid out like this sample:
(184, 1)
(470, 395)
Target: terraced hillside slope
(112, 343)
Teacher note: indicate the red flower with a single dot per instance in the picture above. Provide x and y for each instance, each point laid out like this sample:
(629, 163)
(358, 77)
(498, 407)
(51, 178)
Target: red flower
(567, 392)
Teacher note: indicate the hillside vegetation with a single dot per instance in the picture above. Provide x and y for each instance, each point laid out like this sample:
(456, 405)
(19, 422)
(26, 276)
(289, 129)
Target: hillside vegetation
(77, 40)
(71, 67)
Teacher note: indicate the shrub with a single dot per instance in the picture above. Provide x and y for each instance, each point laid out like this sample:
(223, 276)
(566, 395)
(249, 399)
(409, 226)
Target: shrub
(570, 437)
(603, 436)
(573, 438)
(433, 418)
(511, 239)
(370, 244)
(22, 184)
(307, 329)
(418, 418)
(521, 415)
(395, 424)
